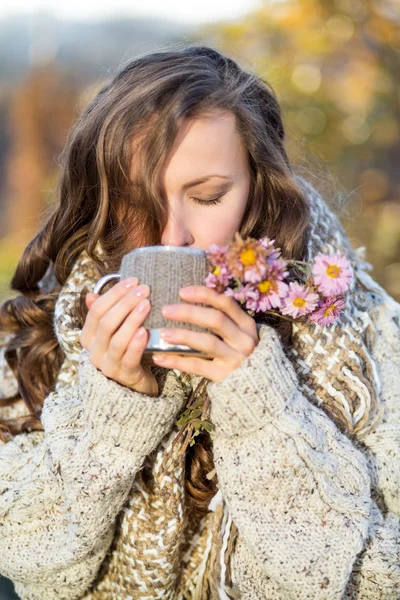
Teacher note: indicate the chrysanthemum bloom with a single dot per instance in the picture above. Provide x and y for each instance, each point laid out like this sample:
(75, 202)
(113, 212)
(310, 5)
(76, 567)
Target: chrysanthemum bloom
(328, 311)
(219, 278)
(217, 255)
(255, 274)
(277, 269)
(273, 253)
(246, 259)
(240, 294)
(331, 274)
(266, 294)
(299, 300)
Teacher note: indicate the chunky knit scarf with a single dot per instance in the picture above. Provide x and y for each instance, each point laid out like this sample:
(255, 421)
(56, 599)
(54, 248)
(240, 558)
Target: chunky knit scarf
(159, 546)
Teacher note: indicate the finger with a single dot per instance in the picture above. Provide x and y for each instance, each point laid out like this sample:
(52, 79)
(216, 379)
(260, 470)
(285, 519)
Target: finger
(133, 354)
(127, 331)
(191, 364)
(204, 342)
(113, 319)
(217, 321)
(101, 305)
(90, 298)
(227, 304)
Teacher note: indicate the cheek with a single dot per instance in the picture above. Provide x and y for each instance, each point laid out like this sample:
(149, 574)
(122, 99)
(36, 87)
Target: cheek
(219, 226)
(229, 218)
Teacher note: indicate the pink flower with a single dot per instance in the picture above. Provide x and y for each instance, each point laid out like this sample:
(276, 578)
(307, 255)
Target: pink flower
(278, 269)
(266, 242)
(272, 252)
(219, 278)
(246, 260)
(267, 294)
(240, 294)
(299, 301)
(217, 254)
(331, 274)
(255, 274)
(328, 310)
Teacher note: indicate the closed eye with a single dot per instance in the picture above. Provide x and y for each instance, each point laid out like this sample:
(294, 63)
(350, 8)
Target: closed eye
(210, 201)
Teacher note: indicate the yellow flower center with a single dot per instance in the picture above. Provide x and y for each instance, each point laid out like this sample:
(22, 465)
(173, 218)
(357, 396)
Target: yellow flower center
(264, 286)
(333, 271)
(299, 302)
(216, 270)
(329, 309)
(248, 257)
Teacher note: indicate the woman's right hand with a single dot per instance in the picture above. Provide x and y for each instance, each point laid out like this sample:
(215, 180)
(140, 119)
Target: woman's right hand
(114, 338)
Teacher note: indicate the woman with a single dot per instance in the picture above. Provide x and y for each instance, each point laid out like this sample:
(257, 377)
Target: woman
(295, 492)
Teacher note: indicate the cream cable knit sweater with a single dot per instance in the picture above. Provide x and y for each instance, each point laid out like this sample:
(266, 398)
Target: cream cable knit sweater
(303, 496)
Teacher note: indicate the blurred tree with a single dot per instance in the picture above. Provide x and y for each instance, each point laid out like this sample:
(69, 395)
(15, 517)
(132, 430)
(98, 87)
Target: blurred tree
(335, 67)
(47, 66)
(42, 110)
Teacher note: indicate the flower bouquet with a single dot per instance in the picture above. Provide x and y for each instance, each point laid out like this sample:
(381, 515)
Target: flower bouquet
(254, 273)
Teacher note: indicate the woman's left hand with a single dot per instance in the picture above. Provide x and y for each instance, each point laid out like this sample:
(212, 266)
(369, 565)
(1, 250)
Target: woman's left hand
(237, 329)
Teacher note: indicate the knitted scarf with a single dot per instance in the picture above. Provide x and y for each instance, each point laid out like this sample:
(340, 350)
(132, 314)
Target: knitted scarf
(162, 550)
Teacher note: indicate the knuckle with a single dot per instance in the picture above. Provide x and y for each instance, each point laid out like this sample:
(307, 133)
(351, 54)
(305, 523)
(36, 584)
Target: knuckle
(130, 298)
(214, 344)
(219, 319)
(95, 311)
(114, 345)
(249, 346)
(238, 362)
(93, 360)
(128, 363)
(223, 299)
(104, 326)
(108, 369)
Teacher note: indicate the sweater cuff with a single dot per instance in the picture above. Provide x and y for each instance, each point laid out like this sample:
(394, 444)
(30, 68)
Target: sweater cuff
(123, 417)
(257, 391)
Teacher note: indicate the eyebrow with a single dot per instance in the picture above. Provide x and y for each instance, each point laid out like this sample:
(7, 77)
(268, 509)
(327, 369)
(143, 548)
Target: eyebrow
(202, 180)
(191, 184)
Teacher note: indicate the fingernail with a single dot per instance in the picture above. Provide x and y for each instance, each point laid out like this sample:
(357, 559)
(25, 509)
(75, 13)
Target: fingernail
(169, 309)
(144, 304)
(189, 291)
(140, 332)
(130, 282)
(167, 334)
(142, 290)
(158, 358)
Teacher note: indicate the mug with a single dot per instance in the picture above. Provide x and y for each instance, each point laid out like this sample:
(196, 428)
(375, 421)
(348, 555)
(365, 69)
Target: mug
(165, 269)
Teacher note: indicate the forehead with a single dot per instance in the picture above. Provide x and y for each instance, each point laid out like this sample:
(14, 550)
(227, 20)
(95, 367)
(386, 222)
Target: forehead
(204, 145)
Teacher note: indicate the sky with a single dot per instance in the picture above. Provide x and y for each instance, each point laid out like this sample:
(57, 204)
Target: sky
(192, 12)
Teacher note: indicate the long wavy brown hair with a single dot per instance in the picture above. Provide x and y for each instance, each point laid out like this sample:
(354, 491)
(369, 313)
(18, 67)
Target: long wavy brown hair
(142, 106)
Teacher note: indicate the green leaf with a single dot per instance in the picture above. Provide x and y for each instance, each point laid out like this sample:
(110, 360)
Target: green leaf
(196, 412)
(208, 426)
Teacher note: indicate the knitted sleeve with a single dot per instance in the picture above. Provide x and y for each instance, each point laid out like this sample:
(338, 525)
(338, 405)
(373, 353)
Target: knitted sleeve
(61, 489)
(304, 498)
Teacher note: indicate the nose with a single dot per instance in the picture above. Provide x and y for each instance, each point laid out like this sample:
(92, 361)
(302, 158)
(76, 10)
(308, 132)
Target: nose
(176, 232)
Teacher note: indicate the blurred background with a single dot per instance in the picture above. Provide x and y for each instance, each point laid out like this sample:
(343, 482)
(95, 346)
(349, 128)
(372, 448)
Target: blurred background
(334, 65)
